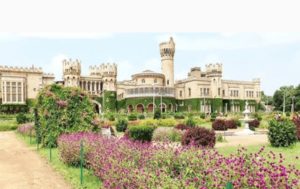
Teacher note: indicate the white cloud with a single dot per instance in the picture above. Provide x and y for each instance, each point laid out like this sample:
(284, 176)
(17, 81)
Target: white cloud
(55, 66)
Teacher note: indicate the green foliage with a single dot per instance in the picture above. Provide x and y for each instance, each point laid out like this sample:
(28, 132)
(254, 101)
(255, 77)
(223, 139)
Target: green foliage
(213, 116)
(157, 114)
(63, 110)
(170, 122)
(132, 117)
(121, 125)
(111, 117)
(37, 126)
(202, 115)
(22, 118)
(141, 132)
(13, 108)
(282, 133)
(110, 101)
(167, 134)
(178, 116)
(141, 116)
(8, 125)
(190, 122)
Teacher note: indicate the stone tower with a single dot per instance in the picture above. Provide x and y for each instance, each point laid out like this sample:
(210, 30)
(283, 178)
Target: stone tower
(109, 76)
(167, 51)
(71, 72)
(214, 72)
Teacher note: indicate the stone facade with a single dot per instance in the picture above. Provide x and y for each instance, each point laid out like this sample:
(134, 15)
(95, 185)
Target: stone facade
(17, 84)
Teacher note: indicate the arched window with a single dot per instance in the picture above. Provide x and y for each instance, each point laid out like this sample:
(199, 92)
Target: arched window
(190, 92)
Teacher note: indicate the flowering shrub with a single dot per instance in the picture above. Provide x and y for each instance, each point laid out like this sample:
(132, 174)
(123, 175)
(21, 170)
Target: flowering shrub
(199, 136)
(63, 110)
(122, 163)
(69, 146)
(254, 124)
(282, 133)
(26, 129)
(167, 134)
(296, 121)
(230, 124)
(219, 125)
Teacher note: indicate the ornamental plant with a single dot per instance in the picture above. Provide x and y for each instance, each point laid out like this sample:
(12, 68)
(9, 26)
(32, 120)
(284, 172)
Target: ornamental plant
(282, 133)
(190, 122)
(166, 134)
(230, 124)
(181, 126)
(142, 132)
(219, 125)
(199, 136)
(254, 124)
(121, 125)
(63, 110)
(26, 129)
(132, 117)
(296, 121)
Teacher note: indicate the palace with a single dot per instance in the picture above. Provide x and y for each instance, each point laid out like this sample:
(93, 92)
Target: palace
(202, 90)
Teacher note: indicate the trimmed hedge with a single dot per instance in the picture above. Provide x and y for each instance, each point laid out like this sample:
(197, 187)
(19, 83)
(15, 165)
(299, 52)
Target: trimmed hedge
(141, 133)
(199, 136)
(132, 117)
(230, 124)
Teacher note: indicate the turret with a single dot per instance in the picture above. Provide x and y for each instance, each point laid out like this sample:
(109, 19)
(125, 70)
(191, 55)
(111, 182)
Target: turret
(214, 72)
(109, 76)
(71, 72)
(167, 51)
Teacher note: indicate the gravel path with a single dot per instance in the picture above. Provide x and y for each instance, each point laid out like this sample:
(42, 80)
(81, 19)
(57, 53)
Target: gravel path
(261, 139)
(22, 168)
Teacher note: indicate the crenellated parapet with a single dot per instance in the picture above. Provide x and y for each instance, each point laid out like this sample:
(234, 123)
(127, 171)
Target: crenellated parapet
(104, 70)
(21, 69)
(214, 70)
(71, 67)
(167, 49)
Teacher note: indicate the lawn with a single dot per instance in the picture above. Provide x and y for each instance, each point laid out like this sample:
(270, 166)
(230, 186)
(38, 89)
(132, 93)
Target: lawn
(289, 153)
(8, 123)
(71, 174)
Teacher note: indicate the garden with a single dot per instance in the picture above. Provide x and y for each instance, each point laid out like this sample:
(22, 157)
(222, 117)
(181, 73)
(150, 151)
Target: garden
(160, 150)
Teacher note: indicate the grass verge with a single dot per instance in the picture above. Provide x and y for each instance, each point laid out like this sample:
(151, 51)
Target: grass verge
(70, 174)
(8, 124)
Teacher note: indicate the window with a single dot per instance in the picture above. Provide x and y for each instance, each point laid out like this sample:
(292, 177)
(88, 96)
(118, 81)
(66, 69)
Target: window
(155, 80)
(180, 93)
(143, 80)
(190, 92)
(223, 92)
(167, 82)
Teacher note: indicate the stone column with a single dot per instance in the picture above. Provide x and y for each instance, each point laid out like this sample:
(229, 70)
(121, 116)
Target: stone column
(22, 92)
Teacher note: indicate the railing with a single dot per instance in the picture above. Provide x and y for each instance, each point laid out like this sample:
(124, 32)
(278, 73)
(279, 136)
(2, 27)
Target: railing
(150, 92)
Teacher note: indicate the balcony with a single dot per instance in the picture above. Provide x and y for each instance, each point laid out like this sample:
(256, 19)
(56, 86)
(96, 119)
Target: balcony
(150, 92)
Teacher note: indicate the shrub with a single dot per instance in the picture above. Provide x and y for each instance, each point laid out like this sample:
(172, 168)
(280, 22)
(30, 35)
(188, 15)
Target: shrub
(199, 136)
(132, 117)
(296, 121)
(190, 122)
(121, 125)
(26, 129)
(254, 124)
(157, 114)
(282, 133)
(111, 117)
(150, 122)
(166, 122)
(202, 115)
(167, 135)
(22, 118)
(230, 124)
(63, 110)
(257, 116)
(141, 133)
(179, 116)
(220, 138)
(213, 116)
(141, 116)
(238, 122)
(219, 125)
(182, 127)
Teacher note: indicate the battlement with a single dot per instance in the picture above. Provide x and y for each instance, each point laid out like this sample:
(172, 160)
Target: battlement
(210, 68)
(105, 69)
(71, 67)
(21, 69)
(167, 48)
(48, 75)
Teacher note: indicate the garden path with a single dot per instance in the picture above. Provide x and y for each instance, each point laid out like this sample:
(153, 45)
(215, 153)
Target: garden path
(261, 139)
(21, 167)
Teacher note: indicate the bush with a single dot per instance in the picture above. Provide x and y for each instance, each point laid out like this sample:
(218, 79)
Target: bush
(282, 133)
(179, 116)
(22, 118)
(132, 117)
(219, 125)
(296, 121)
(254, 124)
(202, 115)
(213, 116)
(182, 127)
(63, 110)
(157, 114)
(257, 116)
(199, 136)
(141, 133)
(238, 122)
(121, 125)
(150, 122)
(141, 116)
(166, 122)
(230, 124)
(190, 122)
(26, 129)
(111, 117)
(167, 135)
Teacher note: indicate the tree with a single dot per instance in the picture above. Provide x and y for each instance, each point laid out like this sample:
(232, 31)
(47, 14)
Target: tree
(285, 92)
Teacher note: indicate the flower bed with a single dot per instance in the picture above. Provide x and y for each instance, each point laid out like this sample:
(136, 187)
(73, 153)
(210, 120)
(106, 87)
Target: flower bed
(123, 163)
(26, 129)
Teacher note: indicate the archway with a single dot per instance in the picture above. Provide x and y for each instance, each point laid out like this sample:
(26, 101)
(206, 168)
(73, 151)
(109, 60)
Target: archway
(170, 107)
(163, 107)
(97, 107)
(150, 108)
(130, 108)
(140, 108)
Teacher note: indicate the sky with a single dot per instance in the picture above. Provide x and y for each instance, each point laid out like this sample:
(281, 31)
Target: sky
(274, 57)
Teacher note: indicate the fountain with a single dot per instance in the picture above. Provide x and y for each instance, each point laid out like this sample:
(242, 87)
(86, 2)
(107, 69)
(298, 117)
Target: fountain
(246, 121)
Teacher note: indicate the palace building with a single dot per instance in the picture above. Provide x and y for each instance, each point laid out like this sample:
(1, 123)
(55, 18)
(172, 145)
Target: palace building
(203, 90)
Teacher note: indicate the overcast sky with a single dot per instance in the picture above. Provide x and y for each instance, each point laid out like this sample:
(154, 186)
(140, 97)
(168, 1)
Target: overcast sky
(272, 57)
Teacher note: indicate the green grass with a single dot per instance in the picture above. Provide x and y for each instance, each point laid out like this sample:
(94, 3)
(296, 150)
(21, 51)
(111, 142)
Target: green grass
(70, 173)
(289, 153)
(8, 124)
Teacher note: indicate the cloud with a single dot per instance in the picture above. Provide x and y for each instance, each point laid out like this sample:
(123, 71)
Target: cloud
(55, 66)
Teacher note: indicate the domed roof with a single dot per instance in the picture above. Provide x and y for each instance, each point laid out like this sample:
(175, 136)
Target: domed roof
(148, 73)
